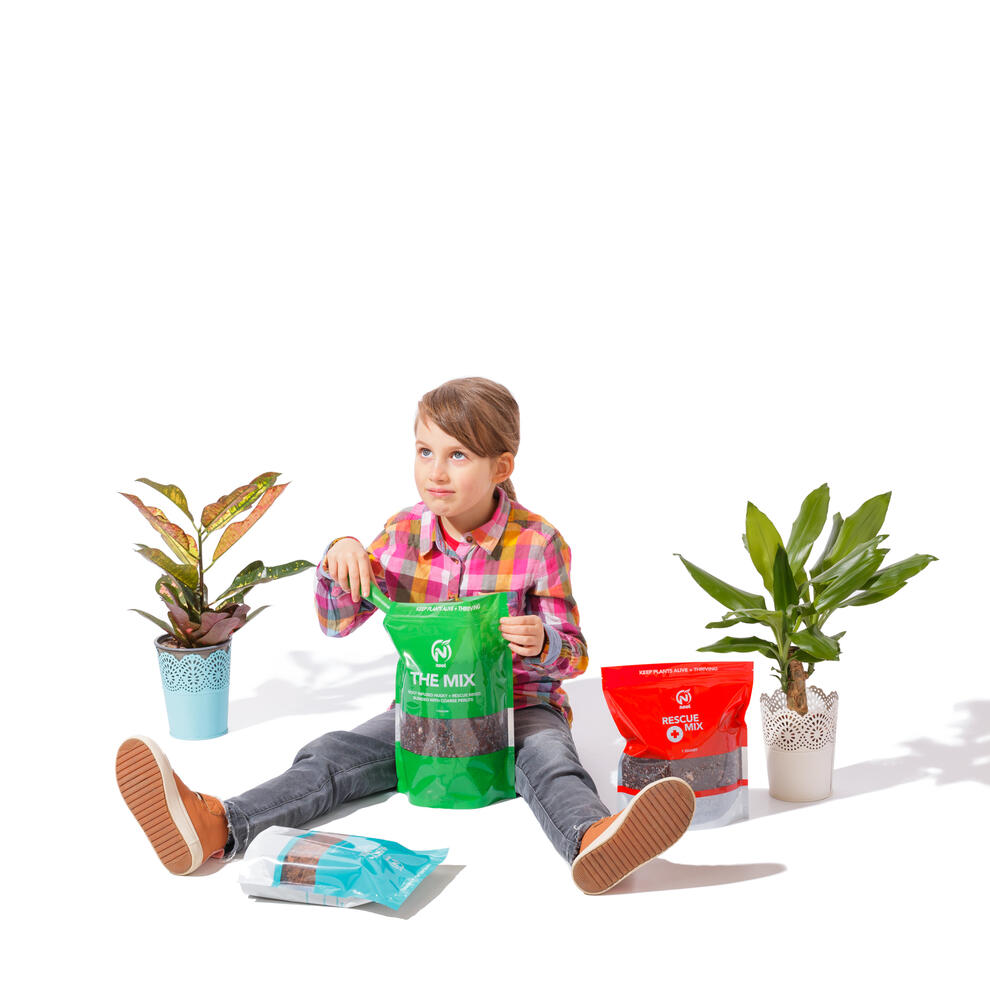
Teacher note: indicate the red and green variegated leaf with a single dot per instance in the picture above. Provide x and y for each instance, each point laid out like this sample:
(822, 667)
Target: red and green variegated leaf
(158, 622)
(170, 590)
(237, 599)
(236, 530)
(178, 541)
(257, 573)
(217, 627)
(220, 512)
(187, 574)
(173, 493)
(186, 628)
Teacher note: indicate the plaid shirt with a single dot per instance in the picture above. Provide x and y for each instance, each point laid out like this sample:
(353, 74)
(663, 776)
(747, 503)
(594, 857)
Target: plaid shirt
(516, 551)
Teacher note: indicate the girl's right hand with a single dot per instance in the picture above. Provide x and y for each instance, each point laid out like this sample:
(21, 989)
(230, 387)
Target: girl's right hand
(347, 562)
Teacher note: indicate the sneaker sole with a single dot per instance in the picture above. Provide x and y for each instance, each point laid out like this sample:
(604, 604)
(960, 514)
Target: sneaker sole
(147, 784)
(657, 817)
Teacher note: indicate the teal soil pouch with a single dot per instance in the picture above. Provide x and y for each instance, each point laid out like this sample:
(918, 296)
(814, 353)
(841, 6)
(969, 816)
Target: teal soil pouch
(453, 695)
(334, 870)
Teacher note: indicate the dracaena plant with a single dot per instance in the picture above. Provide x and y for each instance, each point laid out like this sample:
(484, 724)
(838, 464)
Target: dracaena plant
(846, 573)
(193, 619)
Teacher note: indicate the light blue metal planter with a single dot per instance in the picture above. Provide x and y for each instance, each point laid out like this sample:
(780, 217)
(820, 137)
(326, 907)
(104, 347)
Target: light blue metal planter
(196, 684)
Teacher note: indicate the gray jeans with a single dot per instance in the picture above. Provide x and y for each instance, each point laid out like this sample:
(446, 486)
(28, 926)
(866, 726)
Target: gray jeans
(343, 766)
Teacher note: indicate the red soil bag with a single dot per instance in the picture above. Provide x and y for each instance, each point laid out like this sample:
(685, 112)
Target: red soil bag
(685, 720)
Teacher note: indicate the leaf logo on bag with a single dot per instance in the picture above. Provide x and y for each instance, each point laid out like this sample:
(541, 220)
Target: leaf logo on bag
(441, 650)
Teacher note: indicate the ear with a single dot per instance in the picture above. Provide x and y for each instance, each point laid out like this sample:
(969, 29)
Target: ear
(503, 467)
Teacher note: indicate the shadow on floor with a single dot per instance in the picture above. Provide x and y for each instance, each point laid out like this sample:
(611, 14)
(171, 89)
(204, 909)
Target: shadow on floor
(284, 697)
(964, 759)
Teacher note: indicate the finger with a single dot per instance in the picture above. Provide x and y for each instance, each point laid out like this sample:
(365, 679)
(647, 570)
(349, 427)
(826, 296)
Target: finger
(354, 579)
(365, 569)
(520, 639)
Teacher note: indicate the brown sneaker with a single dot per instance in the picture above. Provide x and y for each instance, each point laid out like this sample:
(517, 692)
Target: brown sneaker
(184, 827)
(615, 846)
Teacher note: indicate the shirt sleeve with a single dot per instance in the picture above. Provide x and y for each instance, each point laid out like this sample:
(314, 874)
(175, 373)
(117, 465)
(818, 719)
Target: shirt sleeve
(338, 614)
(565, 653)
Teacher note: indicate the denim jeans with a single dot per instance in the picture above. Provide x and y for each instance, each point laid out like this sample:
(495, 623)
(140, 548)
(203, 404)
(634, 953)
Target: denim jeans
(343, 766)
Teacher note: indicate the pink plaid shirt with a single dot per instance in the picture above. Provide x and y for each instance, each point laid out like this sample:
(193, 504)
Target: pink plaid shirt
(516, 551)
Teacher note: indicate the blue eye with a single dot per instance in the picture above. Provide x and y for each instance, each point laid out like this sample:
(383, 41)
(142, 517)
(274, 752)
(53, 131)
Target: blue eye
(424, 451)
(457, 454)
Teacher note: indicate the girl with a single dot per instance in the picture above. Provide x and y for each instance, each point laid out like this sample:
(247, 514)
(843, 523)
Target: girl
(467, 536)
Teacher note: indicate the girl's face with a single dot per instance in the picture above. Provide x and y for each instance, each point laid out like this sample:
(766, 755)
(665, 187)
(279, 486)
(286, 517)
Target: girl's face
(453, 481)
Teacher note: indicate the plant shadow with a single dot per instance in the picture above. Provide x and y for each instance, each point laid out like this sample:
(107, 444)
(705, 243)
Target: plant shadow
(279, 698)
(965, 759)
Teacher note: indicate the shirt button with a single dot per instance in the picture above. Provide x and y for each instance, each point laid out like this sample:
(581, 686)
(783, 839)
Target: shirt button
(469, 538)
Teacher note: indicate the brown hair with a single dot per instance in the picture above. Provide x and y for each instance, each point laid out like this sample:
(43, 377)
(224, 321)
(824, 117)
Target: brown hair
(480, 413)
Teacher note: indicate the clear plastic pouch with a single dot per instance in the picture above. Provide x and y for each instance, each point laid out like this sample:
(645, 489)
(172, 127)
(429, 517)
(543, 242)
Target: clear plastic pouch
(332, 869)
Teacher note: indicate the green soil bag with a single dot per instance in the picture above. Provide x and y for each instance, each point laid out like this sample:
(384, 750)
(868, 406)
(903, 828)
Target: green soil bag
(453, 700)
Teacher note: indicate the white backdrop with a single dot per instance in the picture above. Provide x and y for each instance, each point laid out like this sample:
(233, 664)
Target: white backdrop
(719, 252)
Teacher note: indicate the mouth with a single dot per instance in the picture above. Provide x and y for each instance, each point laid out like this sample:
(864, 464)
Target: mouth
(440, 491)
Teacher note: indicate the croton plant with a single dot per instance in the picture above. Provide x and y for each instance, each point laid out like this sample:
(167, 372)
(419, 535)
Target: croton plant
(193, 619)
(847, 573)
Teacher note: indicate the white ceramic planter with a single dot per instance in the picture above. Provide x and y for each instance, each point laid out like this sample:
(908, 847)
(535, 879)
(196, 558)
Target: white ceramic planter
(800, 748)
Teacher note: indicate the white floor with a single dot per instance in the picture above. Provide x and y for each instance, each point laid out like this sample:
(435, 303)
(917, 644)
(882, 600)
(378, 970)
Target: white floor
(885, 879)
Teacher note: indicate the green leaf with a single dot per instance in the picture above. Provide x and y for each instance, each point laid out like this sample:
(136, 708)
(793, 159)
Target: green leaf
(158, 622)
(817, 644)
(847, 563)
(732, 644)
(236, 530)
(898, 573)
(764, 616)
(220, 512)
(725, 623)
(724, 593)
(807, 528)
(178, 541)
(257, 573)
(172, 492)
(860, 527)
(784, 589)
(829, 543)
(762, 539)
(872, 597)
(836, 591)
(187, 574)
(251, 615)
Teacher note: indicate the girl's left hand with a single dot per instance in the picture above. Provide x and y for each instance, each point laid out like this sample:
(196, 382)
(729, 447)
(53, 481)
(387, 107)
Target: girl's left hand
(525, 633)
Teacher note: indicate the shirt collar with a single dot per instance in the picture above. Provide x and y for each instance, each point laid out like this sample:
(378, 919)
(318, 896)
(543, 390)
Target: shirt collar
(485, 536)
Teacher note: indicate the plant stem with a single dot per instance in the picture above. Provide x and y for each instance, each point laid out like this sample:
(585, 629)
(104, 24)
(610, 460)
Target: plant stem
(202, 586)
